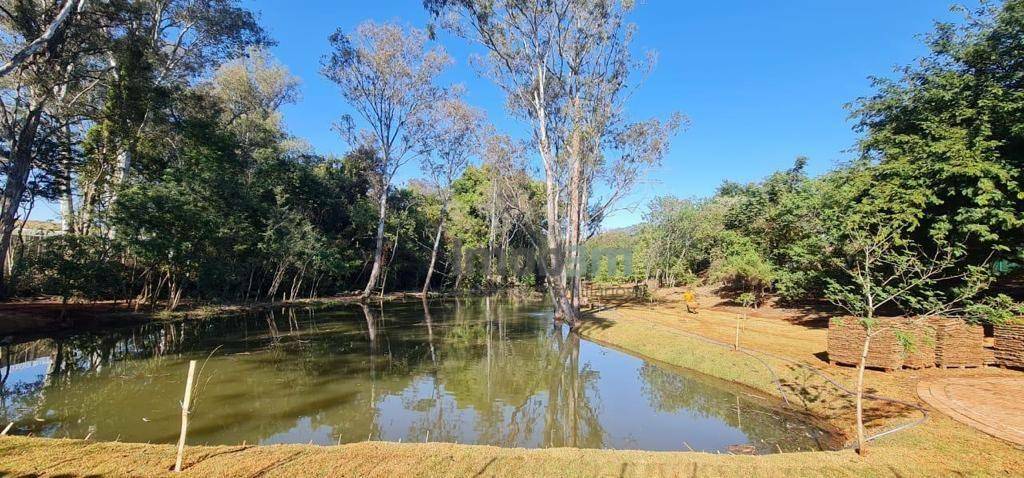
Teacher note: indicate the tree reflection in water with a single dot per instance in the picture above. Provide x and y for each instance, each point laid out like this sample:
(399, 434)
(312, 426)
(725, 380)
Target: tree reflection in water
(488, 371)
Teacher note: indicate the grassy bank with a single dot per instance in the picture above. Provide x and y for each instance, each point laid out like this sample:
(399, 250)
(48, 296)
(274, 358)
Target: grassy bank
(43, 457)
(939, 447)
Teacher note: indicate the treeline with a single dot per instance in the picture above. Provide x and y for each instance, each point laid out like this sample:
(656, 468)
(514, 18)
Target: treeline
(156, 126)
(931, 211)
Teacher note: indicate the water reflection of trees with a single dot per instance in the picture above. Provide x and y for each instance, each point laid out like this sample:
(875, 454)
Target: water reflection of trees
(481, 364)
(470, 370)
(672, 391)
(522, 378)
(89, 383)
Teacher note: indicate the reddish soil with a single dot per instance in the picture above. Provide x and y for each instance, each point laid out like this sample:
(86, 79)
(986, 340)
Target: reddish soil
(990, 404)
(711, 298)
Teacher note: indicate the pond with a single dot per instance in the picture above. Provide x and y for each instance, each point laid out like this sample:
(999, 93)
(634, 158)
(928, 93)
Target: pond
(494, 371)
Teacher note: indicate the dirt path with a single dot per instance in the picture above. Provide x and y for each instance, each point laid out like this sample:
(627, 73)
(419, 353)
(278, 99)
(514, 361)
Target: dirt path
(991, 404)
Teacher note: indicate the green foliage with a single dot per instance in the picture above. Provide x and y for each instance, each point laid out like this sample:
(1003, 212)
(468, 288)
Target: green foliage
(682, 273)
(739, 265)
(469, 223)
(946, 141)
(603, 275)
(220, 199)
(907, 340)
(998, 309)
(73, 267)
(938, 185)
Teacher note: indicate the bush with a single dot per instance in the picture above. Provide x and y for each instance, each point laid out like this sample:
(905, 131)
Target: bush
(72, 267)
(738, 266)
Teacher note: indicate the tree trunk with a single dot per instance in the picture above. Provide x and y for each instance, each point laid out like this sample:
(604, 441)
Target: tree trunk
(85, 211)
(379, 248)
(164, 278)
(433, 254)
(573, 234)
(459, 266)
(580, 219)
(556, 260)
(493, 227)
(555, 273)
(14, 190)
(275, 283)
(67, 201)
(124, 165)
(861, 442)
(46, 39)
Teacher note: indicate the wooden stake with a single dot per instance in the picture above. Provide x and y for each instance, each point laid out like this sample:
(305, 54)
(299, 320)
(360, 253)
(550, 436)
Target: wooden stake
(184, 414)
(736, 345)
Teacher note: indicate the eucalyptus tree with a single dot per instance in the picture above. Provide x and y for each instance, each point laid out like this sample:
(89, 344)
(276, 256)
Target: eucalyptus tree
(34, 97)
(455, 137)
(51, 38)
(252, 89)
(156, 48)
(565, 66)
(387, 75)
(497, 152)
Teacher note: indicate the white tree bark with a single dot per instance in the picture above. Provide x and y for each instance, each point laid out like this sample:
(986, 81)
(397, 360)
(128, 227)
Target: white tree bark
(40, 43)
(378, 251)
(433, 254)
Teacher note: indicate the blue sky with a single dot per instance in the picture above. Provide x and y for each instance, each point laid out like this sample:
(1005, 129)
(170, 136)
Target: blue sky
(761, 81)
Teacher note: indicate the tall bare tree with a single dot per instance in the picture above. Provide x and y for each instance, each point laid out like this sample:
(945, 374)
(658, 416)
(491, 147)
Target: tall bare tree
(456, 130)
(498, 152)
(565, 66)
(387, 75)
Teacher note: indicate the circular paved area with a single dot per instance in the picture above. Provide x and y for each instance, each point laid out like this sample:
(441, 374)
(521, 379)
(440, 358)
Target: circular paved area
(994, 405)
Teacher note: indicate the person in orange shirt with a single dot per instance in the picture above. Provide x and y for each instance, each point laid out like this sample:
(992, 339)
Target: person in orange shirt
(690, 299)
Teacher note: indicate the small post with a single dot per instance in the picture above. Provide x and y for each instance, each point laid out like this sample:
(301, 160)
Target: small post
(184, 414)
(736, 345)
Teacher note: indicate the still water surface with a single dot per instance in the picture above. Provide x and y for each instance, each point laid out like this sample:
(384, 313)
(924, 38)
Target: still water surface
(493, 371)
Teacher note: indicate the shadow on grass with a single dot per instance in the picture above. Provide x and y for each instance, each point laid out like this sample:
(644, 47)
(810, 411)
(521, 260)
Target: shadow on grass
(815, 394)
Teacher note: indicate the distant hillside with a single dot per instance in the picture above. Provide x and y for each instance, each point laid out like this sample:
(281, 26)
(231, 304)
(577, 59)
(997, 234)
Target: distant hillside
(622, 237)
(42, 225)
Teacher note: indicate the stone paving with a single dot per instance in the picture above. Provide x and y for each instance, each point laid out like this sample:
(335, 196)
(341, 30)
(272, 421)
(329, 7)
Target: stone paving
(994, 405)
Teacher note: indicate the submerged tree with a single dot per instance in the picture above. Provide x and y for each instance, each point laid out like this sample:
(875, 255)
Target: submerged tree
(387, 74)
